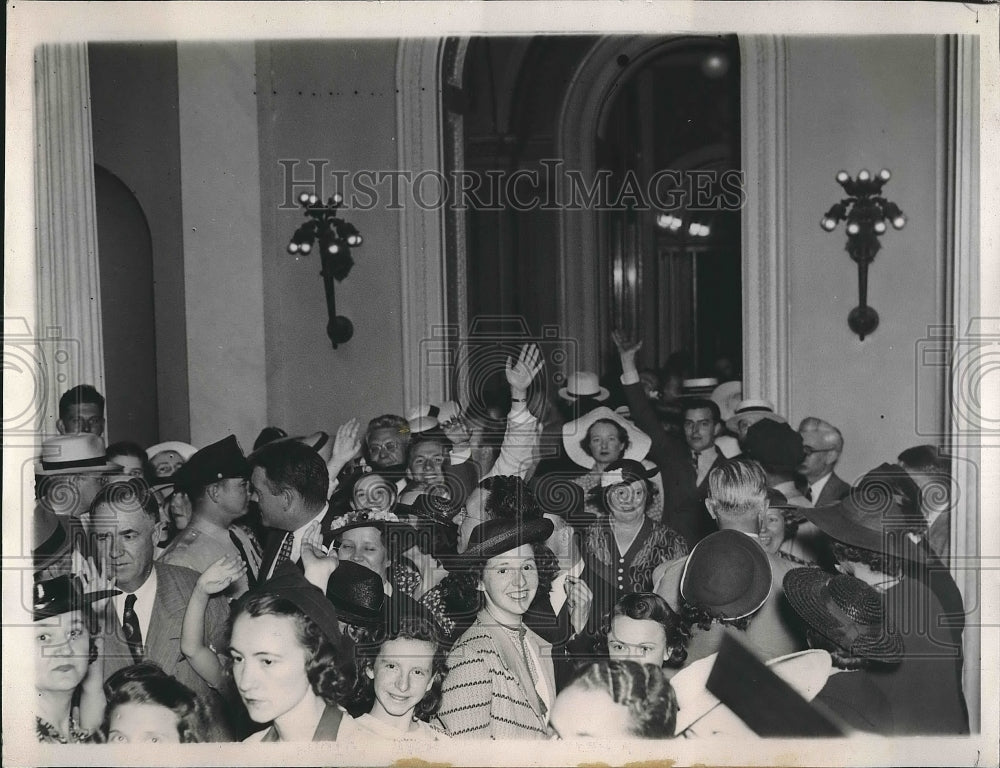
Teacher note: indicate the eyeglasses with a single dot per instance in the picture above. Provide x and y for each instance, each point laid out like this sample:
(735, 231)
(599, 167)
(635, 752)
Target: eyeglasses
(390, 447)
(810, 451)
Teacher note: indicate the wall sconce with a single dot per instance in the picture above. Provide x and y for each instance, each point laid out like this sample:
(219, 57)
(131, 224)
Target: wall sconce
(335, 238)
(866, 213)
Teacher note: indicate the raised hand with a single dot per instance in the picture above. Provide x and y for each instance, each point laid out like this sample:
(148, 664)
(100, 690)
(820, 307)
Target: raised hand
(521, 373)
(346, 445)
(457, 430)
(317, 561)
(221, 574)
(626, 347)
(91, 578)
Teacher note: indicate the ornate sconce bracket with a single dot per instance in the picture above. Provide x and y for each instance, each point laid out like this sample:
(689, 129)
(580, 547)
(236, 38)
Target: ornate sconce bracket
(866, 212)
(334, 237)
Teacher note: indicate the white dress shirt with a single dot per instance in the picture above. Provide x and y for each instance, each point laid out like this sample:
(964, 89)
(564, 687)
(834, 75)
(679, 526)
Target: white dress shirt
(145, 596)
(815, 489)
(297, 536)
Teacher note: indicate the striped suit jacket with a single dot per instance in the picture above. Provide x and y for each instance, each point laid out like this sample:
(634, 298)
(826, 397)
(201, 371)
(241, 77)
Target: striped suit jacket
(487, 693)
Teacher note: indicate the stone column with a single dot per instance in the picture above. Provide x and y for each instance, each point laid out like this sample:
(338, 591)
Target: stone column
(68, 286)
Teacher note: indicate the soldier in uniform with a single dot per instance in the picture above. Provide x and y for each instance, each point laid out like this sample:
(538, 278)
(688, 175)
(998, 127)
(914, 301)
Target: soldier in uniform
(216, 481)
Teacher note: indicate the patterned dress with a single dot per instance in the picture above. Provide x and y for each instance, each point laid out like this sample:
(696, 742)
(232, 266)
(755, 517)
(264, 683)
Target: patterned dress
(47, 734)
(614, 574)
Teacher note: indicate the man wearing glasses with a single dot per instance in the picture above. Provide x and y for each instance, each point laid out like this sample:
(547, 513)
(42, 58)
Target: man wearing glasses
(81, 409)
(822, 443)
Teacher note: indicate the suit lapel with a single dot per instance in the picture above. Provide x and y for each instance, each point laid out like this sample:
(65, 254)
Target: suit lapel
(165, 625)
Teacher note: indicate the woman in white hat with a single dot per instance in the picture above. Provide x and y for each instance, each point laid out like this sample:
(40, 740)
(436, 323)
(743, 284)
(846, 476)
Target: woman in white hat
(598, 439)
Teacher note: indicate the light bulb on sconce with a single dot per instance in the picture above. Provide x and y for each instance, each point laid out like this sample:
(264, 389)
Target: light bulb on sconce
(866, 212)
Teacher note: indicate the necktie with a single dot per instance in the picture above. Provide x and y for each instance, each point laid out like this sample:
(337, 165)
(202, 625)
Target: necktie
(130, 623)
(694, 461)
(251, 581)
(809, 492)
(285, 553)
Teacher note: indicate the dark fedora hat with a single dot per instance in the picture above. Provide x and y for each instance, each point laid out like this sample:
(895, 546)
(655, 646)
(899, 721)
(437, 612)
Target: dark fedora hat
(357, 593)
(289, 583)
(876, 515)
(494, 537)
(62, 594)
(844, 610)
(728, 574)
(774, 444)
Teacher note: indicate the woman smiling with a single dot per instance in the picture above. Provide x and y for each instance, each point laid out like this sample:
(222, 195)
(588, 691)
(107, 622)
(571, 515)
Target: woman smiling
(500, 681)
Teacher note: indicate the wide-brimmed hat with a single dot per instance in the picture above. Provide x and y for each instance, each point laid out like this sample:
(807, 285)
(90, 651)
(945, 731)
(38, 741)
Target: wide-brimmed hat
(845, 610)
(872, 516)
(583, 384)
(290, 583)
(494, 537)
(752, 410)
(218, 461)
(186, 450)
(81, 453)
(805, 671)
(775, 445)
(357, 593)
(639, 442)
(728, 574)
(62, 594)
(699, 387)
(728, 396)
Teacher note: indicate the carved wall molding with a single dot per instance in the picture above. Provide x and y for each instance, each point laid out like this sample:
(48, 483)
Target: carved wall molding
(419, 138)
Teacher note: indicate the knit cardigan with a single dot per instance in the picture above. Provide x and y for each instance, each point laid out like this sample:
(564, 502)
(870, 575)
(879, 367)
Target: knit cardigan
(487, 693)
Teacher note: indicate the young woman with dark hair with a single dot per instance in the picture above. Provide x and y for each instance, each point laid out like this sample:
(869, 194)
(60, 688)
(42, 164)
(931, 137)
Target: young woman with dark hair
(501, 681)
(286, 658)
(643, 628)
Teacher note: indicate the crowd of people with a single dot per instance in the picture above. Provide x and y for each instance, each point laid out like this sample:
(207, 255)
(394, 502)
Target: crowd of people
(523, 567)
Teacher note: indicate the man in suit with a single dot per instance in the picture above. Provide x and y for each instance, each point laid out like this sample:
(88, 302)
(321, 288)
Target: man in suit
(144, 622)
(289, 480)
(683, 507)
(823, 444)
(565, 616)
(738, 501)
(702, 424)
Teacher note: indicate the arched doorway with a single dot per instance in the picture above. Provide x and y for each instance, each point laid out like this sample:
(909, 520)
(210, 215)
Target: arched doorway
(128, 319)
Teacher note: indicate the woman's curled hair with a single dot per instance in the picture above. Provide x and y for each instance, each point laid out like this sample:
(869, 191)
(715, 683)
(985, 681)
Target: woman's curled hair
(648, 606)
(642, 688)
(327, 663)
(154, 686)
